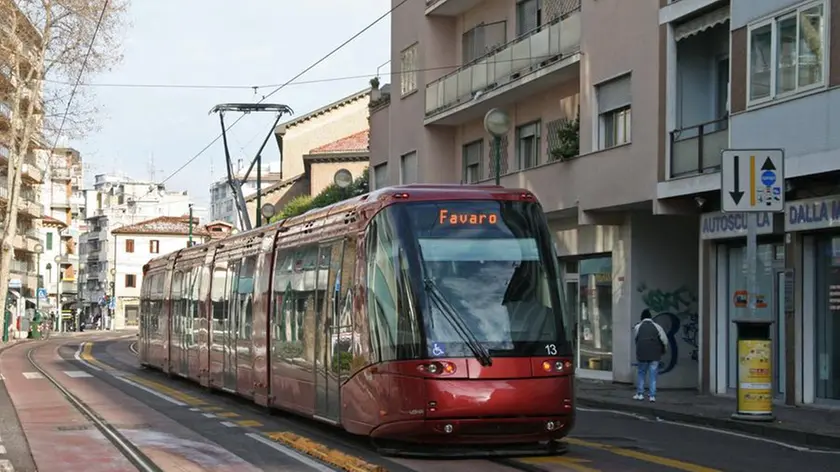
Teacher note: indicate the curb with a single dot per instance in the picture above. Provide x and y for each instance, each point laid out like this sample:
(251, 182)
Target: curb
(766, 430)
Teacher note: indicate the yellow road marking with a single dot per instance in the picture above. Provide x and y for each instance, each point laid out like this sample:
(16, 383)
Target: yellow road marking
(212, 408)
(323, 453)
(566, 461)
(176, 394)
(87, 356)
(664, 461)
(249, 423)
(228, 414)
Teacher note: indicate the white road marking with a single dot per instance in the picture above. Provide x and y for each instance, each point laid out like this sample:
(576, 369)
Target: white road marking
(713, 430)
(33, 375)
(77, 374)
(229, 424)
(209, 415)
(289, 452)
(6, 466)
(2, 449)
(195, 409)
(148, 390)
(78, 357)
(1, 377)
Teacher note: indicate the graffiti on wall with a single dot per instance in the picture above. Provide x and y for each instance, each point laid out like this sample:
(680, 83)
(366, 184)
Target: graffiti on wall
(676, 312)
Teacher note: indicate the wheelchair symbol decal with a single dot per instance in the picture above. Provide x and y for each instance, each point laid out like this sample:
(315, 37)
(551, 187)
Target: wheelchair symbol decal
(437, 350)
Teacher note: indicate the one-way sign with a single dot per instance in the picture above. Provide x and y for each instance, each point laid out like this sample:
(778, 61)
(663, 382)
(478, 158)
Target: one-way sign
(752, 180)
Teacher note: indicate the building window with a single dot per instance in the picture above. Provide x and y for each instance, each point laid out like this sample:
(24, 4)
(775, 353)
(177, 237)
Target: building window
(154, 246)
(408, 70)
(472, 162)
(482, 39)
(408, 168)
(380, 176)
(49, 241)
(528, 16)
(827, 319)
(787, 53)
(528, 145)
(130, 281)
(129, 245)
(614, 116)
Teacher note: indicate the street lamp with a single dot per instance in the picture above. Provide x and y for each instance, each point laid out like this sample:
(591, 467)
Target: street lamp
(39, 249)
(58, 294)
(497, 123)
(268, 211)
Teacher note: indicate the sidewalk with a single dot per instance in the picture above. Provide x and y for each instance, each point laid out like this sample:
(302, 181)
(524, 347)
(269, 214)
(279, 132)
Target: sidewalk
(807, 426)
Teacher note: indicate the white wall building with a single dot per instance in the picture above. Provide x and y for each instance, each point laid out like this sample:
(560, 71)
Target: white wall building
(138, 243)
(117, 201)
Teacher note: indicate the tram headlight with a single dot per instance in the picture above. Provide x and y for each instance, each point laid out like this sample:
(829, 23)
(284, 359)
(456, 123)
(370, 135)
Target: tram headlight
(550, 425)
(559, 366)
(438, 368)
(448, 428)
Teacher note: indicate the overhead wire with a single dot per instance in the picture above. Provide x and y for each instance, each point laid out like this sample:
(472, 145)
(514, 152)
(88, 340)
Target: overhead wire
(278, 88)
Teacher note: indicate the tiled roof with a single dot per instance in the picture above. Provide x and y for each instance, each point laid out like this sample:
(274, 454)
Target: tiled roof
(49, 220)
(353, 143)
(171, 225)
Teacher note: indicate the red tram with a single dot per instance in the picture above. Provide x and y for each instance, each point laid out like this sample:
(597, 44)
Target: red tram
(420, 314)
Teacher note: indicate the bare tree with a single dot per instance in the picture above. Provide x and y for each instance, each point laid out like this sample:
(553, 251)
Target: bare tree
(47, 47)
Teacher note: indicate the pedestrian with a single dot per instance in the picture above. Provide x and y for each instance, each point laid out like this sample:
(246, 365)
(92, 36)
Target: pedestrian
(651, 344)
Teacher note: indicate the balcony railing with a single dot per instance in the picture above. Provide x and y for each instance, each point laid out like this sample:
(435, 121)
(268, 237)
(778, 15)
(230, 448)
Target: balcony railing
(696, 149)
(532, 51)
(22, 267)
(61, 173)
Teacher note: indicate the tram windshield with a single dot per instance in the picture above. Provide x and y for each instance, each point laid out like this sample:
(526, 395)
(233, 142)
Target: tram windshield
(486, 274)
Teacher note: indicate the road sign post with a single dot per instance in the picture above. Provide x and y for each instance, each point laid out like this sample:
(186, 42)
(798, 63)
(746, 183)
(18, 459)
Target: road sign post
(753, 182)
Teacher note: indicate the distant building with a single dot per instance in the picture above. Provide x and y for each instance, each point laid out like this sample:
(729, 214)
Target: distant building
(219, 229)
(222, 205)
(135, 245)
(117, 201)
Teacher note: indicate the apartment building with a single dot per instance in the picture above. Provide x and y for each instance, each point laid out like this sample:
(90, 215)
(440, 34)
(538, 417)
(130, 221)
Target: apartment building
(582, 83)
(135, 244)
(22, 279)
(63, 223)
(116, 201)
(783, 58)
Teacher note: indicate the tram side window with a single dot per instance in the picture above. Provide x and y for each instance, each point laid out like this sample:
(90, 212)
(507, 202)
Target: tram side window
(382, 293)
(233, 302)
(305, 300)
(246, 296)
(158, 290)
(218, 290)
(195, 301)
(284, 330)
(175, 303)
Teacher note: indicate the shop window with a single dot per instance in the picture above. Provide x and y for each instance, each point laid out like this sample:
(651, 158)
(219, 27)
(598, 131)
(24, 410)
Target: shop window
(827, 319)
(594, 323)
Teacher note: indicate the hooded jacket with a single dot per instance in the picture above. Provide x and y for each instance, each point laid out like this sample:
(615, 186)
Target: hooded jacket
(651, 341)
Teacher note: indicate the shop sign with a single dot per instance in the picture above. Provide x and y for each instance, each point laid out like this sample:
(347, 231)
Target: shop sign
(811, 214)
(718, 225)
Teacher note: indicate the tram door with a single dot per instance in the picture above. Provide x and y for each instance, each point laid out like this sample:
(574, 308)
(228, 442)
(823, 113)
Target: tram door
(327, 369)
(186, 308)
(231, 329)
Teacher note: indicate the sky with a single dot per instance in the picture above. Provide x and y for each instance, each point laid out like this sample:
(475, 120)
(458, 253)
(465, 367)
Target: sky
(223, 42)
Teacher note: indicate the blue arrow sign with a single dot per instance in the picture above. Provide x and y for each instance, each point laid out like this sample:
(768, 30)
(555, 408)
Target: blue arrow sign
(42, 293)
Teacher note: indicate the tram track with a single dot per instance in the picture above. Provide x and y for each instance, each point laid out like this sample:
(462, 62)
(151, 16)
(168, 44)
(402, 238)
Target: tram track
(131, 452)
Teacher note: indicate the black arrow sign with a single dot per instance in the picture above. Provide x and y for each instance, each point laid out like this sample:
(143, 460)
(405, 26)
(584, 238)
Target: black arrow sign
(768, 165)
(737, 194)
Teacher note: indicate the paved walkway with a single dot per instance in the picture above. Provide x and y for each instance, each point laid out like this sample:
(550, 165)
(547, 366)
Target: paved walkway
(810, 426)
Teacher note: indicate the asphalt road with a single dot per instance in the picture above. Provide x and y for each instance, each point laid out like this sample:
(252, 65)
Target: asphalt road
(603, 441)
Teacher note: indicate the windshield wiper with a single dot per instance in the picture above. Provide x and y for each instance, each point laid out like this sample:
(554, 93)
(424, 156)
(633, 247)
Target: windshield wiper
(454, 318)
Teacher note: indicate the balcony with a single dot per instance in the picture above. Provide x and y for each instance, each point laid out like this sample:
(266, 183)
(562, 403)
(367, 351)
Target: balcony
(677, 10)
(449, 7)
(61, 174)
(28, 207)
(61, 202)
(32, 172)
(526, 66)
(22, 267)
(69, 286)
(696, 150)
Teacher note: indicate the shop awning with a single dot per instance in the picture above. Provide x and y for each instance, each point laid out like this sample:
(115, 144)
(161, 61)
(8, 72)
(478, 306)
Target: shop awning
(701, 23)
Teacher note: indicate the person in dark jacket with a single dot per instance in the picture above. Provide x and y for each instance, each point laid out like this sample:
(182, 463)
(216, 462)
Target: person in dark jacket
(651, 343)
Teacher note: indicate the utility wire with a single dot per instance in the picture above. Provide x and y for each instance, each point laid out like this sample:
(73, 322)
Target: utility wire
(280, 87)
(259, 87)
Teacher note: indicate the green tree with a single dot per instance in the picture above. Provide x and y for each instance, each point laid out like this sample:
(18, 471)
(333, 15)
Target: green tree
(331, 194)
